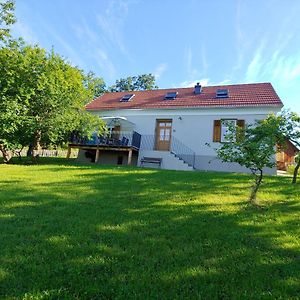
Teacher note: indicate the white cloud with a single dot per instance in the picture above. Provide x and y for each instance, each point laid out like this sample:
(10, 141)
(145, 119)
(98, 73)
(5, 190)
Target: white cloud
(21, 29)
(105, 63)
(203, 82)
(254, 68)
(159, 70)
(69, 51)
(112, 22)
(191, 71)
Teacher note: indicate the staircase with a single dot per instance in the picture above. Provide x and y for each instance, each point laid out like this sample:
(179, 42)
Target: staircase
(170, 161)
(179, 156)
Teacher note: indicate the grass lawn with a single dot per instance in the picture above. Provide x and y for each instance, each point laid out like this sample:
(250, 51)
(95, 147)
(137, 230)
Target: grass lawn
(70, 231)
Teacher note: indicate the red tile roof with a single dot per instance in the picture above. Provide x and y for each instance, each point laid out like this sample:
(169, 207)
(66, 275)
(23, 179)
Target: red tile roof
(240, 95)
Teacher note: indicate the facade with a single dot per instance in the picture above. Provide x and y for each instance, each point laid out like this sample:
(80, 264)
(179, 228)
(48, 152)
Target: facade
(175, 125)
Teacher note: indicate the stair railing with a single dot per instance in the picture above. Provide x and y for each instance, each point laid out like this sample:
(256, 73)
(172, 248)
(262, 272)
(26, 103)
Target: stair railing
(182, 151)
(177, 148)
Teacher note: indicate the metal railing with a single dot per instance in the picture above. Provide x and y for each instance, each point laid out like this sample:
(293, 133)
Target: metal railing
(182, 151)
(114, 139)
(176, 147)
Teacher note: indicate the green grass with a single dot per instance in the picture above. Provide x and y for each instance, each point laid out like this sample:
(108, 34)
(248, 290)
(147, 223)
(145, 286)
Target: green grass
(70, 231)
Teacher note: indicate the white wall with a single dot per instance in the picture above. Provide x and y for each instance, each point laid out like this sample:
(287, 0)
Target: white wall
(196, 127)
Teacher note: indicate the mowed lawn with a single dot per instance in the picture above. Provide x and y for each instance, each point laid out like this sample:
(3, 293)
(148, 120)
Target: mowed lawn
(71, 231)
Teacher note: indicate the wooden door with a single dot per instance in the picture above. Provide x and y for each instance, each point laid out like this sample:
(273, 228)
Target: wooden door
(163, 135)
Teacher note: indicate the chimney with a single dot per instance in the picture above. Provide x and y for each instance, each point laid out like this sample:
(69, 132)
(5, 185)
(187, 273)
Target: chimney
(198, 88)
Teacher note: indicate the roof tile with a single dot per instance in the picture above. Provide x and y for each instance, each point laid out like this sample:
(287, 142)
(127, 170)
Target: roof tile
(256, 94)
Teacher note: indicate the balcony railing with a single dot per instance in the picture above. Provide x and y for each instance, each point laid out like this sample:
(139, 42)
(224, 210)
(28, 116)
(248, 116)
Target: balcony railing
(176, 147)
(114, 139)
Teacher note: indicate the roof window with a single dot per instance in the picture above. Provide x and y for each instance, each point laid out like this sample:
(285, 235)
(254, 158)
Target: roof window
(222, 93)
(171, 95)
(127, 97)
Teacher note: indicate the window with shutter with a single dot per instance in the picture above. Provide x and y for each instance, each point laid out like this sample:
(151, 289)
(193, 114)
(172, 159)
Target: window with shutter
(221, 128)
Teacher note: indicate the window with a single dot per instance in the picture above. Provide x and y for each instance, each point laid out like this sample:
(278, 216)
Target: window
(171, 95)
(222, 93)
(226, 125)
(127, 97)
(221, 128)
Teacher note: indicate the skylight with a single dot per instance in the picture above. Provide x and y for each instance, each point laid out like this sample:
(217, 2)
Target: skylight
(127, 97)
(171, 95)
(222, 93)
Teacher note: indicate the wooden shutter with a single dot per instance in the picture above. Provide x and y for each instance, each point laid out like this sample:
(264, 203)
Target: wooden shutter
(241, 125)
(217, 131)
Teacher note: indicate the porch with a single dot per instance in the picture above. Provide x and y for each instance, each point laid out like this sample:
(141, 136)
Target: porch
(123, 146)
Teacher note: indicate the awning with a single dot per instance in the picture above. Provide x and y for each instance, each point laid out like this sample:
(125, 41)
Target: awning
(113, 121)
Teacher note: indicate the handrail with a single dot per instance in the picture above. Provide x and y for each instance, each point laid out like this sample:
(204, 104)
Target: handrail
(179, 149)
(116, 138)
(183, 152)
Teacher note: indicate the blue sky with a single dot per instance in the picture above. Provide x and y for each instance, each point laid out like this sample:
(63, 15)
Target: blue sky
(180, 42)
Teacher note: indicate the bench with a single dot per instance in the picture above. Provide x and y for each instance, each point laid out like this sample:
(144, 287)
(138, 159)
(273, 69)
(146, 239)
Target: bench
(151, 160)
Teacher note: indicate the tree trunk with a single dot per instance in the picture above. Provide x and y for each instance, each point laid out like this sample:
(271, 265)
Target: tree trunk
(296, 171)
(6, 154)
(37, 140)
(30, 150)
(258, 180)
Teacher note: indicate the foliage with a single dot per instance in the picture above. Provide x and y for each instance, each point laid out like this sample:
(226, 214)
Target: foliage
(72, 231)
(135, 83)
(289, 128)
(7, 17)
(95, 84)
(42, 98)
(253, 147)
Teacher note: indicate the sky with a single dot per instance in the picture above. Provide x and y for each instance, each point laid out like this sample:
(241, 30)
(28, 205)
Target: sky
(180, 42)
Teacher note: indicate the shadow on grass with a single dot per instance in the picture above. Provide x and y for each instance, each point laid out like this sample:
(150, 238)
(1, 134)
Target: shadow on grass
(110, 233)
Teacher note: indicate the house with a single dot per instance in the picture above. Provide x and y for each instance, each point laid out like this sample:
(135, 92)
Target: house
(170, 128)
(286, 156)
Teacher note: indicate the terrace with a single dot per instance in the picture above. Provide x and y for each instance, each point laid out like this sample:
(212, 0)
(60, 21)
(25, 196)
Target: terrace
(115, 141)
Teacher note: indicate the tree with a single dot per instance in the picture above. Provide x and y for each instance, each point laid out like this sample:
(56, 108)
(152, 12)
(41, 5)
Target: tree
(289, 128)
(7, 18)
(95, 84)
(135, 83)
(252, 147)
(42, 99)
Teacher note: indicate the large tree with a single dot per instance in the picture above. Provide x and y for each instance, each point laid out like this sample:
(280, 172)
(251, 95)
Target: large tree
(7, 18)
(42, 98)
(134, 83)
(253, 147)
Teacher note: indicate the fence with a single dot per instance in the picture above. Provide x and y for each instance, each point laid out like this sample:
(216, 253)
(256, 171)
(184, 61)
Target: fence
(46, 153)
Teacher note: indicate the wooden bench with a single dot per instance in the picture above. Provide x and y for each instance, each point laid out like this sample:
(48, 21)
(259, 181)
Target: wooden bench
(151, 160)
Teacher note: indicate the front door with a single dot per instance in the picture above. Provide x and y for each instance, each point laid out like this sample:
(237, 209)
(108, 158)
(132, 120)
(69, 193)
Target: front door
(163, 135)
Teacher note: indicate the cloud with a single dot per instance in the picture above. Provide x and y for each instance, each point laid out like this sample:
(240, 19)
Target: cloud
(94, 47)
(203, 82)
(112, 22)
(160, 69)
(204, 60)
(69, 51)
(191, 71)
(21, 29)
(254, 68)
(105, 63)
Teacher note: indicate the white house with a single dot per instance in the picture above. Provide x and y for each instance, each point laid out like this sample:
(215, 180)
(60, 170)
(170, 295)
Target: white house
(169, 128)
